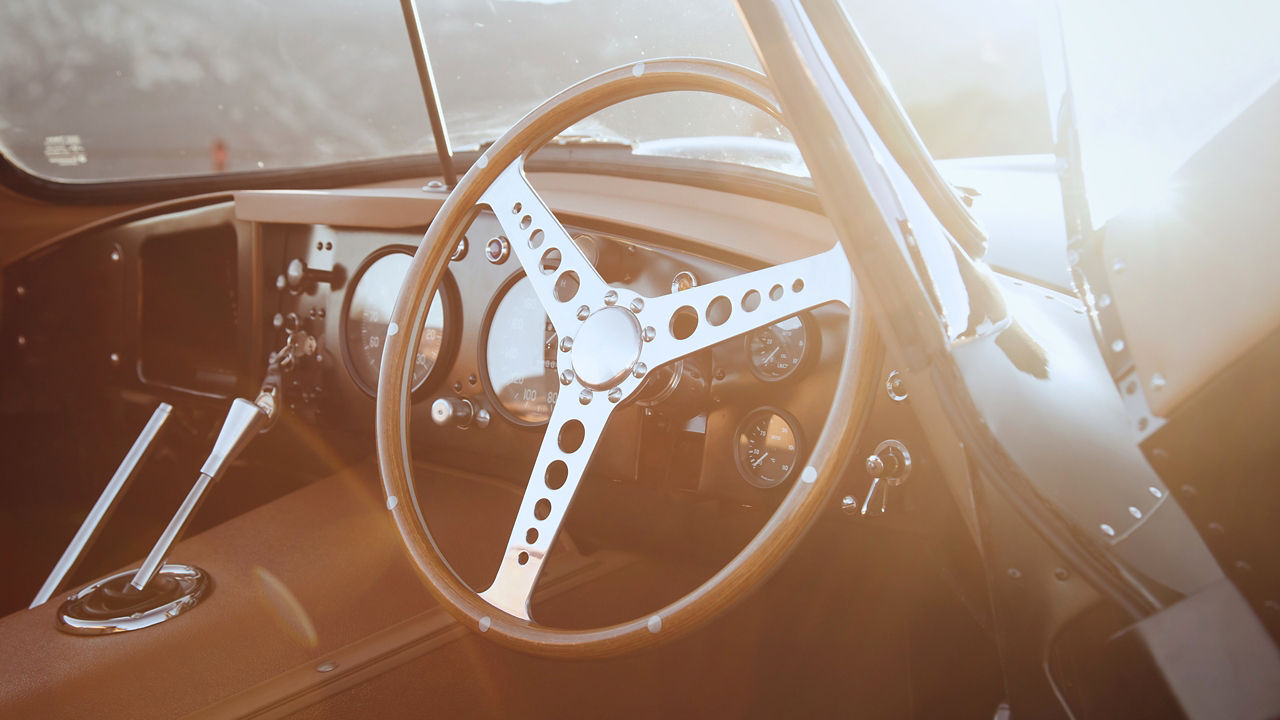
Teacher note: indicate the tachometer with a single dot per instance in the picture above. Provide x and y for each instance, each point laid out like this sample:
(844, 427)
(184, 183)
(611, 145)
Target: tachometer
(767, 447)
(519, 355)
(367, 311)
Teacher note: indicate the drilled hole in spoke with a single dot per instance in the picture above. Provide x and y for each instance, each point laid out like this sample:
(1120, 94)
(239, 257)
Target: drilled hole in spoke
(557, 473)
(536, 239)
(775, 292)
(797, 285)
(719, 310)
(751, 300)
(515, 209)
(542, 509)
(525, 222)
(550, 261)
(571, 435)
(566, 286)
(683, 322)
(523, 558)
(531, 536)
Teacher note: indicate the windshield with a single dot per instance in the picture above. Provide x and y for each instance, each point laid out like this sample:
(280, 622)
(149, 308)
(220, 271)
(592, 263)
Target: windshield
(93, 91)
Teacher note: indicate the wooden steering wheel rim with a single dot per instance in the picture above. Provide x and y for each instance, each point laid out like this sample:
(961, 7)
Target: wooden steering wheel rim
(793, 517)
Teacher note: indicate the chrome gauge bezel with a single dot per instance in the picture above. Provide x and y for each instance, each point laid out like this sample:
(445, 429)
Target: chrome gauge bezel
(796, 431)
(452, 325)
(811, 351)
(482, 354)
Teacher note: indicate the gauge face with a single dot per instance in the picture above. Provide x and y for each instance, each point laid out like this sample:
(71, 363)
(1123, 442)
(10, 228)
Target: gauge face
(767, 448)
(520, 356)
(776, 351)
(369, 310)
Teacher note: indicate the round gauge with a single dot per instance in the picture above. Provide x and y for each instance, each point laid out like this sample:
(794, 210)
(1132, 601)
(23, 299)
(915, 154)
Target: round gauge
(367, 311)
(519, 355)
(776, 351)
(767, 447)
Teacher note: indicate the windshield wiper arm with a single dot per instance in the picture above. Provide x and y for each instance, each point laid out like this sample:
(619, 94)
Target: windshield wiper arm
(427, 79)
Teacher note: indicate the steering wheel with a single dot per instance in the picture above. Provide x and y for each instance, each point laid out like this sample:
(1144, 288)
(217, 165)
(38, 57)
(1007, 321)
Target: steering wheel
(611, 338)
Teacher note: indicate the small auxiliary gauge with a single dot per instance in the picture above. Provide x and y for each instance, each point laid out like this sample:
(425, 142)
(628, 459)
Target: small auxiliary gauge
(777, 351)
(767, 447)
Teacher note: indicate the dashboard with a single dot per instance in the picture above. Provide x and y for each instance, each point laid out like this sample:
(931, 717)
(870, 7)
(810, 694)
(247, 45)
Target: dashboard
(733, 421)
(186, 302)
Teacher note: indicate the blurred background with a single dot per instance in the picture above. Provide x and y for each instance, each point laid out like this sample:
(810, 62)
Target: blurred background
(94, 90)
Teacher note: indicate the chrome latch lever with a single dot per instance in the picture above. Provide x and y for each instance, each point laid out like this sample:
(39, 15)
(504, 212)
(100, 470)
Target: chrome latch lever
(888, 467)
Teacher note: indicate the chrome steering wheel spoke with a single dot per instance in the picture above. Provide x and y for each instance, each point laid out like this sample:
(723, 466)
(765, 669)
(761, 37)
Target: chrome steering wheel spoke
(682, 323)
(576, 424)
(560, 274)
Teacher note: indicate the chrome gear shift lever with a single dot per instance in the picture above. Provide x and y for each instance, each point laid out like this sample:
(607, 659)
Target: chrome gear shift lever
(244, 420)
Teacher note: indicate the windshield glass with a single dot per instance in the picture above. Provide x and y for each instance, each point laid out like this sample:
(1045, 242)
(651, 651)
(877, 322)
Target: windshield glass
(93, 91)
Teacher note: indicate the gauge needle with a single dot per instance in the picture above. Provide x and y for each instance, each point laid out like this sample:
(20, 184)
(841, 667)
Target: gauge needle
(769, 357)
(759, 460)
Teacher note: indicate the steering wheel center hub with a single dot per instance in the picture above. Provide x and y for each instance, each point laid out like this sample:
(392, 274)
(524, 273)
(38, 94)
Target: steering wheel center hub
(606, 348)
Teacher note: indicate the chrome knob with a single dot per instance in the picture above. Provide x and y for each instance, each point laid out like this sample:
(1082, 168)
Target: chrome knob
(446, 411)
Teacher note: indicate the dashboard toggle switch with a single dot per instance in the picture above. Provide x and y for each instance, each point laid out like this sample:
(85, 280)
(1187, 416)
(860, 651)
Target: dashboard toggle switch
(888, 467)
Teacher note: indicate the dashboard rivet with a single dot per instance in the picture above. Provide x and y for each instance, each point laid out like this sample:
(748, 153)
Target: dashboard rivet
(615, 395)
(584, 312)
(21, 290)
(1062, 574)
(115, 358)
(649, 333)
(637, 305)
(22, 341)
(584, 397)
(115, 256)
(1108, 530)
(639, 370)
(611, 298)
(566, 344)
(566, 377)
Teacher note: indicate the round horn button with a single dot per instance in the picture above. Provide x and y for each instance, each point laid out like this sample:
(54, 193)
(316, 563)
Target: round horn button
(606, 347)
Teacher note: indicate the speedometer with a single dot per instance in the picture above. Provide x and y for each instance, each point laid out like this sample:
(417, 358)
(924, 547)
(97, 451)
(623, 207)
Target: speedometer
(367, 311)
(519, 355)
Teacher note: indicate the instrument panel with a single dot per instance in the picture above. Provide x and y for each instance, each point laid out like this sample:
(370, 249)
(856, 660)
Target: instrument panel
(738, 411)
